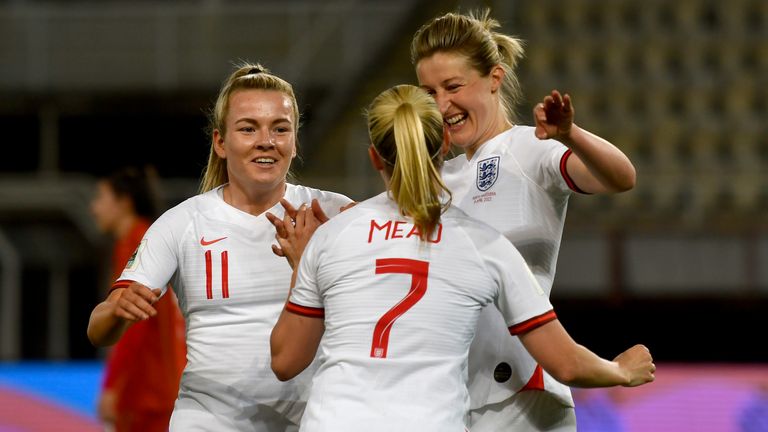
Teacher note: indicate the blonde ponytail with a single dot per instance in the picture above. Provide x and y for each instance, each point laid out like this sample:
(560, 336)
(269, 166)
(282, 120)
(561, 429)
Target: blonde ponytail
(406, 129)
(475, 37)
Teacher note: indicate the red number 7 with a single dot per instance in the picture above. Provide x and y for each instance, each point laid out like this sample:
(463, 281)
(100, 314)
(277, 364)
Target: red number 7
(419, 271)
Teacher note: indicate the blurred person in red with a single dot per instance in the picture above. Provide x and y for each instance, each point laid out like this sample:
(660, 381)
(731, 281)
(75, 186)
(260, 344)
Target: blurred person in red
(141, 379)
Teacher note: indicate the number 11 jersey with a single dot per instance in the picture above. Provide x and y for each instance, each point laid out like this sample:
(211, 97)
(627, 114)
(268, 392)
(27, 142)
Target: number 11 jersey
(231, 290)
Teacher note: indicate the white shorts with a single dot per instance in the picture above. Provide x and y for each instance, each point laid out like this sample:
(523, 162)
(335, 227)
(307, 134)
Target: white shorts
(525, 411)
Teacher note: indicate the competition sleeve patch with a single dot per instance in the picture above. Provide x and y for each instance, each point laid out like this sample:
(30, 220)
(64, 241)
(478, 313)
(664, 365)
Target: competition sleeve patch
(564, 172)
(120, 284)
(305, 310)
(532, 323)
(133, 261)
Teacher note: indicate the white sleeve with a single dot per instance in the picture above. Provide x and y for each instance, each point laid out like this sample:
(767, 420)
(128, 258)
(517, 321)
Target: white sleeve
(520, 299)
(305, 296)
(545, 161)
(156, 259)
(331, 202)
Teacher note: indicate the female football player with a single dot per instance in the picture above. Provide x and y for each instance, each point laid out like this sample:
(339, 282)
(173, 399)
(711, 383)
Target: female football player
(213, 249)
(518, 180)
(391, 290)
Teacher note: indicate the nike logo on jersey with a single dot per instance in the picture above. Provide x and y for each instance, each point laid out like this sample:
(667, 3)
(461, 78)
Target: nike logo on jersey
(208, 243)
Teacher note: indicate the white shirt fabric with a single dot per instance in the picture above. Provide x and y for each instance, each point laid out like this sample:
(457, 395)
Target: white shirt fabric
(517, 184)
(400, 315)
(231, 290)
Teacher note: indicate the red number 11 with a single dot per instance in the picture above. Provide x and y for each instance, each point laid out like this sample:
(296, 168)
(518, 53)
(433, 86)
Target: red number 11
(224, 275)
(419, 271)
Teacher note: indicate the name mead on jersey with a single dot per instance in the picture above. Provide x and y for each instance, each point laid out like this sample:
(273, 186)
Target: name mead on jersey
(400, 229)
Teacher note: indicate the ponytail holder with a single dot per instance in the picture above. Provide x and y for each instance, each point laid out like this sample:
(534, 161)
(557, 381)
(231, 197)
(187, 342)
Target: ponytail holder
(255, 70)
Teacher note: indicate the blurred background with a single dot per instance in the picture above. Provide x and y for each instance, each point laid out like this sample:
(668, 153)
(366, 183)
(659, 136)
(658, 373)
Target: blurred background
(680, 263)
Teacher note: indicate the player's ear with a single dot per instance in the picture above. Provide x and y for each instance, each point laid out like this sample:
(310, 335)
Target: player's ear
(218, 143)
(376, 161)
(497, 76)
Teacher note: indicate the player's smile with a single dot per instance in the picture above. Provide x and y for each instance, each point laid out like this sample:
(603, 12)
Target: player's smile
(265, 161)
(455, 122)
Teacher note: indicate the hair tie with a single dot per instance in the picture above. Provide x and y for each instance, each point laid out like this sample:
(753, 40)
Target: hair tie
(255, 70)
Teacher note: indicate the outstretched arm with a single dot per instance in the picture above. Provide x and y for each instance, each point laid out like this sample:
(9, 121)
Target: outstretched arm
(576, 366)
(596, 165)
(123, 306)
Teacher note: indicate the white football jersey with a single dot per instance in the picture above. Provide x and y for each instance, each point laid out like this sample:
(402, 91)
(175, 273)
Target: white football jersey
(517, 184)
(400, 315)
(231, 290)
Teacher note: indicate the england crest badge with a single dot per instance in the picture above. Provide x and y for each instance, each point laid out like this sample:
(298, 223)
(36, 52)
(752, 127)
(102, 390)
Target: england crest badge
(487, 173)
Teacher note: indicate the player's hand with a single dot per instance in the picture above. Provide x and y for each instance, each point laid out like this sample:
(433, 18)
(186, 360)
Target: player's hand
(291, 211)
(554, 117)
(291, 214)
(293, 234)
(318, 212)
(638, 365)
(296, 234)
(347, 207)
(134, 303)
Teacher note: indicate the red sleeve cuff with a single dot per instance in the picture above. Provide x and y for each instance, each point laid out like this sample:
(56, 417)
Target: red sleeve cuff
(564, 172)
(532, 323)
(120, 284)
(305, 310)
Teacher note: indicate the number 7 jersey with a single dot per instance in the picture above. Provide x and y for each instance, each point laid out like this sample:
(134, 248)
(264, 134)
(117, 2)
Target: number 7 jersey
(231, 289)
(400, 314)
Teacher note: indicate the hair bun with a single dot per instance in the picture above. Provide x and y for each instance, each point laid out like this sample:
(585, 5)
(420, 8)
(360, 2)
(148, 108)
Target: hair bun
(483, 17)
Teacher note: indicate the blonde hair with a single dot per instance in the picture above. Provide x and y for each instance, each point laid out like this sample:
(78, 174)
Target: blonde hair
(406, 130)
(474, 37)
(245, 76)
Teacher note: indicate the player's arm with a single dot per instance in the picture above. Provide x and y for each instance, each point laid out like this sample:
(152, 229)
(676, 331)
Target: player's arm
(298, 331)
(294, 342)
(124, 306)
(576, 366)
(596, 165)
(530, 316)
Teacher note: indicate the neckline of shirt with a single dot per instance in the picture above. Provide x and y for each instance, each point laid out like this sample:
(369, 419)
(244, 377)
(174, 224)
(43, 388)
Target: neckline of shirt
(490, 145)
(277, 209)
(385, 199)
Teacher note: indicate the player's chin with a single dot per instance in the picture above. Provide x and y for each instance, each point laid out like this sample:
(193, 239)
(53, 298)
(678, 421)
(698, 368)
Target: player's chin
(268, 178)
(464, 136)
(461, 140)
